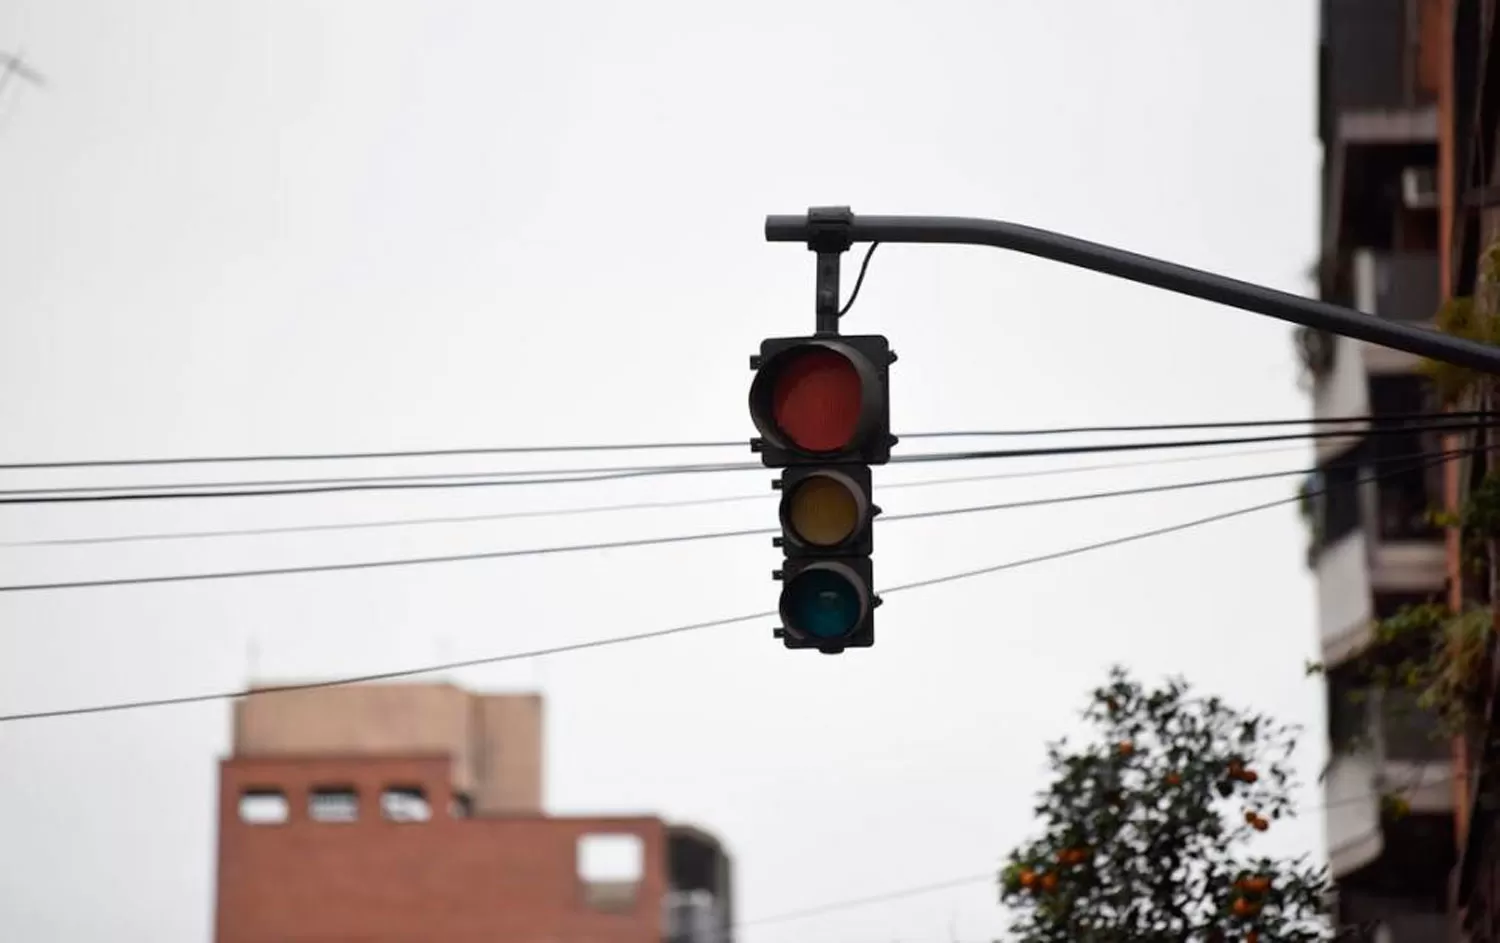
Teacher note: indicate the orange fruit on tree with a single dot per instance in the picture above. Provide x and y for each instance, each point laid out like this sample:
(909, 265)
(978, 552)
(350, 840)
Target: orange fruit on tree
(1174, 779)
(1250, 816)
(1126, 748)
(1252, 937)
(1028, 878)
(1250, 776)
(1260, 824)
(1049, 882)
(1257, 885)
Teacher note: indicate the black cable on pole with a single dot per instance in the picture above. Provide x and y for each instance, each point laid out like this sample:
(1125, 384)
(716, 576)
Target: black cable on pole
(624, 506)
(691, 627)
(860, 280)
(703, 444)
(303, 486)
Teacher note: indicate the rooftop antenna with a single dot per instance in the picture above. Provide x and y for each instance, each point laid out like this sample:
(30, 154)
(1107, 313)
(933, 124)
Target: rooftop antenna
(13, 66)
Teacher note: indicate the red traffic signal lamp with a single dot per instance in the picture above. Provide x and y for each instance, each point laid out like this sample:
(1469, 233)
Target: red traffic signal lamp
(822, 399)
(821, 406)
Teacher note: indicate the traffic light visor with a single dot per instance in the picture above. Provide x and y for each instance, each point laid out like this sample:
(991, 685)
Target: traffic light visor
(816, 399)
(823, 603)
(823, 511)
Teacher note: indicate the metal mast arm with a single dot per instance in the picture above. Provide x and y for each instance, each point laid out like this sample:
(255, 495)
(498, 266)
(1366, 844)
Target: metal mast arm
(959, 230)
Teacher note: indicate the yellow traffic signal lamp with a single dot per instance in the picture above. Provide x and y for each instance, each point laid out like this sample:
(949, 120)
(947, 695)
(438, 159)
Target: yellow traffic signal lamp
(826, 511)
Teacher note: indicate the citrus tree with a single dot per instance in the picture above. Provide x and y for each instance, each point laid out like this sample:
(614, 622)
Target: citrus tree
(1145, 830)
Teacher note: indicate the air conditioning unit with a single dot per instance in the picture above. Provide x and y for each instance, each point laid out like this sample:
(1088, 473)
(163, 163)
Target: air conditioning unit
(1419, 189)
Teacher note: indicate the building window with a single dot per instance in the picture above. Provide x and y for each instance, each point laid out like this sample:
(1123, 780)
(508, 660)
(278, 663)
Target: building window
(1406, 490)
(333, 804)
(405, 804)
(1394, 394)
(1340, 499)
(1348, 709)
(610, 868)
(264, 807)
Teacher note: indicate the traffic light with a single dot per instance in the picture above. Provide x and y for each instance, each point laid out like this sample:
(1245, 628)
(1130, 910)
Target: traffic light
(821, 406)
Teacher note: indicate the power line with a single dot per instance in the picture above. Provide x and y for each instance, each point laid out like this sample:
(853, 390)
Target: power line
(988, 877)
(624, 506)
(638, 541)
(855, 902)
(303, 486)
(707, 444)
(680, 629)
(1381, 418)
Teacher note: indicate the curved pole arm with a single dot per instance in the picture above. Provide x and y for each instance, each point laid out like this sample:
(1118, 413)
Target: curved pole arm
(960, 230)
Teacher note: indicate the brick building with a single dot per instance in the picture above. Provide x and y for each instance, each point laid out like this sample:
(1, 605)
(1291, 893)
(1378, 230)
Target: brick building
(406, 813)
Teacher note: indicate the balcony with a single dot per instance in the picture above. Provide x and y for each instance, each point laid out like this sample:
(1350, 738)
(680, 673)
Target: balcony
(1376, 57)
(1398, 286)
(1401, 757)
(1370, 540)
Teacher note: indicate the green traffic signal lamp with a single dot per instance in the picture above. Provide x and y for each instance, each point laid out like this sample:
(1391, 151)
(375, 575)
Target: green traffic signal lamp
(822, 399)
(827, 604)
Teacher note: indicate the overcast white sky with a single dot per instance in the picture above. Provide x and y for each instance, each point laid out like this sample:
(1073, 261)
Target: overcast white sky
(276, 227)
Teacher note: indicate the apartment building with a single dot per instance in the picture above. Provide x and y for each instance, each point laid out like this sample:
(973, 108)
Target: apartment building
(401, 813)
(1381, 74)
(1470, 228)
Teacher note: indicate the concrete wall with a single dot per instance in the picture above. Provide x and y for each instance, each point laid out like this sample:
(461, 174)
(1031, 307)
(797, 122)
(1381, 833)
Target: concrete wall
(1352, 813)
(1345, 598)
(453, 879)
(495, 742)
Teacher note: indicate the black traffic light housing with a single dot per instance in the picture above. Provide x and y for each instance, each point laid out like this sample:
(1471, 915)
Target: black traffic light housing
(855, 481)
(821, 405)
(799, 580)
(870, 357)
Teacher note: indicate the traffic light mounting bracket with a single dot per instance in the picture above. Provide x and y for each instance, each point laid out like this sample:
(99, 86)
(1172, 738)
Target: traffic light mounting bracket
(829, 236)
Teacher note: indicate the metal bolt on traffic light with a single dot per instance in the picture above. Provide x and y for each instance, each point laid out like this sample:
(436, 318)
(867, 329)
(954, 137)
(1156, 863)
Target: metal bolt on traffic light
(822, 408)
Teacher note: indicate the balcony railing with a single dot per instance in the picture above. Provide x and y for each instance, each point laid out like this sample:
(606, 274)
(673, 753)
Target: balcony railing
(692, 917)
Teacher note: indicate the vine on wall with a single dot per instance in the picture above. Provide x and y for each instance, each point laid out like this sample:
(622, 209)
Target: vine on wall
(1439, 655)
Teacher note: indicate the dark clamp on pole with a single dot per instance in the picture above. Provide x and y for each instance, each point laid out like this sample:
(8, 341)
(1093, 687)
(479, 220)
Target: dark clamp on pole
(829, 236)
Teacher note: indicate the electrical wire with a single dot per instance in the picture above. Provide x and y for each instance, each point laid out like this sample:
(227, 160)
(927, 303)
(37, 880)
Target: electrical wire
(679, 629)
(708, 444)
(303, 486)
(988, 877)
(625, 506)
(919, 890)
(641, 541)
